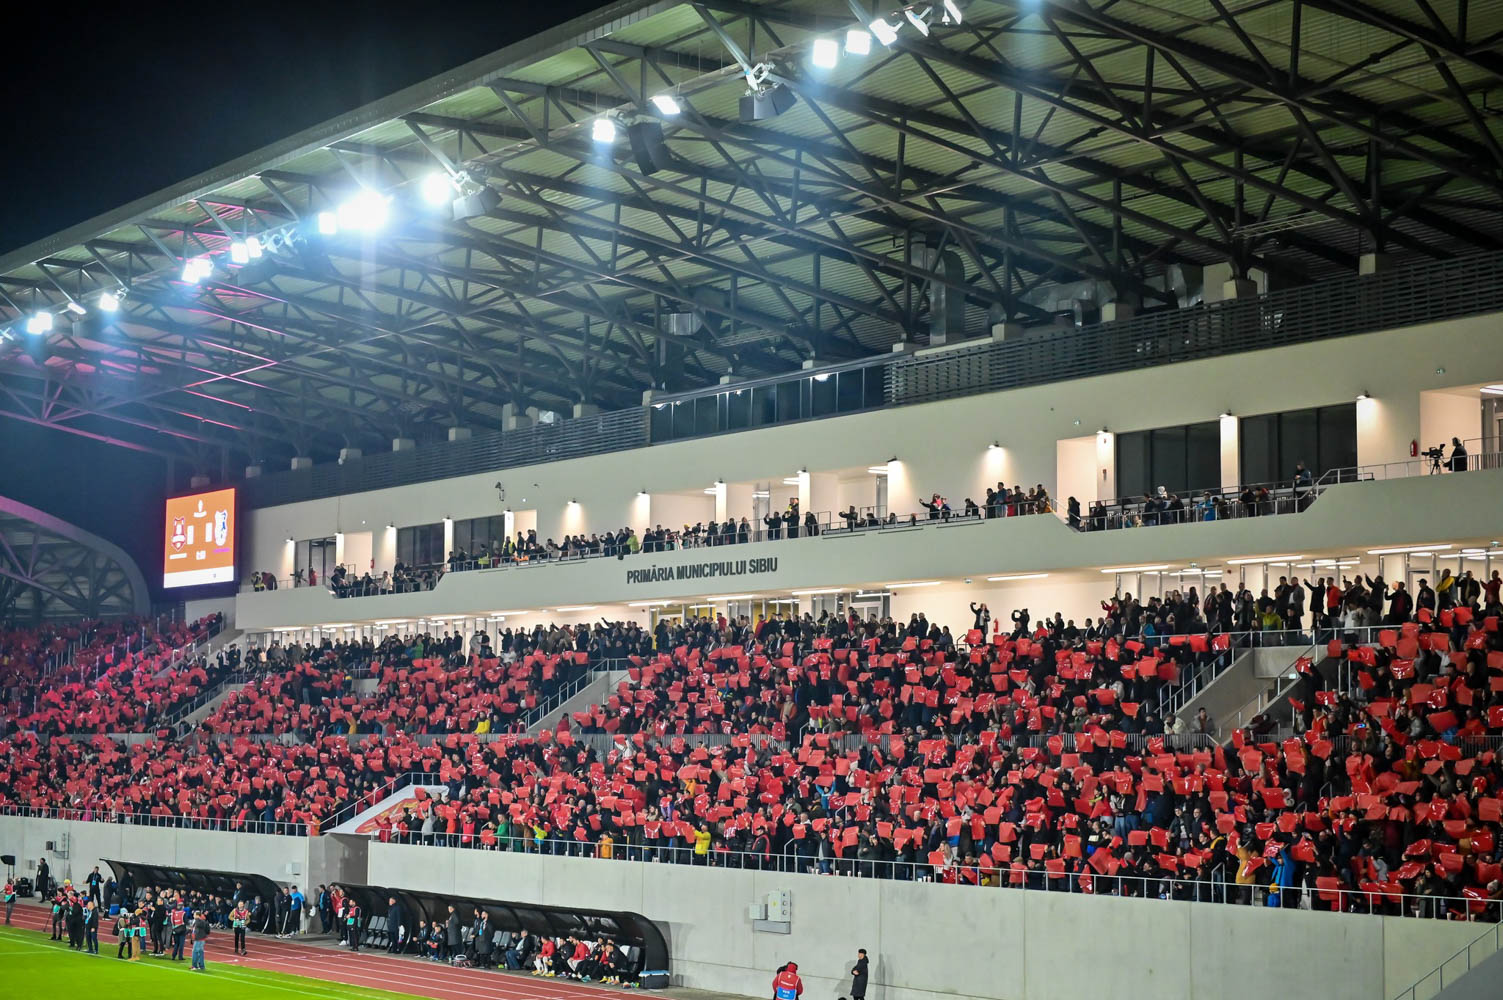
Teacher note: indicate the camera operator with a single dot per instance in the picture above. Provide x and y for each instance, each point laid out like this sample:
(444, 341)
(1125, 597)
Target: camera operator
(1457, 461)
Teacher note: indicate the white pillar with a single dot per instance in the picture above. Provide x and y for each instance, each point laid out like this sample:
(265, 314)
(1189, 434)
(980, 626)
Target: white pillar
(302, 462)
(1231, 452)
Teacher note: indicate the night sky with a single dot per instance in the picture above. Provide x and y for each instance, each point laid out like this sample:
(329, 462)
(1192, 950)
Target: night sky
(106, 105)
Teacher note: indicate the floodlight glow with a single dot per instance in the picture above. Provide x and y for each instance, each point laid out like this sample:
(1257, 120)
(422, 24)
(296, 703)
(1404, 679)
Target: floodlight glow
(437, 189)
(109, 302)
(952, 12)
(666, 103)
(39, 323)
(825, 53)
(252, 247)
(239, 254)
(328, 223)
(857, 42)
(918, 20)
(366, 211)
(604, 130)
(886, 33)
(195, 269)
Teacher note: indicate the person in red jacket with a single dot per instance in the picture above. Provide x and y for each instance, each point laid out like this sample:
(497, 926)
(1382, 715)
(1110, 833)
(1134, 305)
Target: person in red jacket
(786, 985)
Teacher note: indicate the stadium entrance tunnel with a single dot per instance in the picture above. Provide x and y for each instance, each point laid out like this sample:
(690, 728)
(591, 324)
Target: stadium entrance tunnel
(640, 938)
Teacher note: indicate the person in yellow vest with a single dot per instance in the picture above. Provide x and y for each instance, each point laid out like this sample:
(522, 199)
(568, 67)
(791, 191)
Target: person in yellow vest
(605, 846)
(702, 846)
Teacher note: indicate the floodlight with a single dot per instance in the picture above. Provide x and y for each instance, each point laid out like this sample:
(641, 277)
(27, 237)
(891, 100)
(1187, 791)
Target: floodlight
(919, 21)
(109, 302)
(195, 269)
(666, 103)
(75, 307)
(366, 211)
(39, 323)
(437, 189)
(328, 224)
(825, 53)
(252, 247)
(238, 253)
(886, 33)
(952, 11)
(604, 130)
(858, 42)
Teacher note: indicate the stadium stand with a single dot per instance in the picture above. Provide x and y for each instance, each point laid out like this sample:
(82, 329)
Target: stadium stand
(1032, 757)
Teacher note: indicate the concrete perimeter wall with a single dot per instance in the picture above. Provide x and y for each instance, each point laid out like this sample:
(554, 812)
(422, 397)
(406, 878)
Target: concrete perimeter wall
(924, 939)
(928, 939)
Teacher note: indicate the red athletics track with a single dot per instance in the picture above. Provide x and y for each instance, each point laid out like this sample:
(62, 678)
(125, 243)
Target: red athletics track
(372, 970)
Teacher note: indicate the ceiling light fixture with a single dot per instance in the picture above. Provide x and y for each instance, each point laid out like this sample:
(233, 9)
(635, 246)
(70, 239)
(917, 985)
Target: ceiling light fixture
(1017, 576)
(1409, 549)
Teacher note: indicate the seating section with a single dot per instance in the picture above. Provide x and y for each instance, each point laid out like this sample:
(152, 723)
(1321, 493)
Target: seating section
(1032, 758)
(123, 677)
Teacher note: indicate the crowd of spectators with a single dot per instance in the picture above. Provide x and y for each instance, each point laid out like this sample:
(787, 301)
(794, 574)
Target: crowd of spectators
(1032, 755)
(123, 677)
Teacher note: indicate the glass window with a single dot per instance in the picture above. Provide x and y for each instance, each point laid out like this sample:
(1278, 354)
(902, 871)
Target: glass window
(789, 401)
(1337, 438)
(421, 545)
(705, 421)
(849, 391)
(1203, 456)
(764, 405)
(822, 395)
(1298, 442)
(738, 409)
(1259, 448)
(1132, 464)
(662, 422)
(1167, 458)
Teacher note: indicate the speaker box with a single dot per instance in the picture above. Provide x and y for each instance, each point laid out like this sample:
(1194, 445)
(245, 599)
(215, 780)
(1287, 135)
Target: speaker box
(767, 104)
(648, 148)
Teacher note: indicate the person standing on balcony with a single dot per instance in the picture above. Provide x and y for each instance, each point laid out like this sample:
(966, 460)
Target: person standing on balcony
(1457, 461)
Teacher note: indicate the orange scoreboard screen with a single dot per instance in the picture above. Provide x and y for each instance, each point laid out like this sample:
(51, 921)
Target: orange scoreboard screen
(199, 545)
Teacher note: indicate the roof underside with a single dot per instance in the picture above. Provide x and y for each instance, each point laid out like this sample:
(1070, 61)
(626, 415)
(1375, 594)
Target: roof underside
(1034, 144)
(50, 569)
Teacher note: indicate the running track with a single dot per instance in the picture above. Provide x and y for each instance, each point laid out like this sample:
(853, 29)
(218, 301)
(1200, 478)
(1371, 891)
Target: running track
(371, 970)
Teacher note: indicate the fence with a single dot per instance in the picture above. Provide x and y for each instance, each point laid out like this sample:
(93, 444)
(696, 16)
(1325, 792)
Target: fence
(1484, 946)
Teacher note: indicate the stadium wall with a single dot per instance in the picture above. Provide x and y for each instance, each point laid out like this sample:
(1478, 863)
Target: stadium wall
(927, 939)
(79, 846)
(939, 446)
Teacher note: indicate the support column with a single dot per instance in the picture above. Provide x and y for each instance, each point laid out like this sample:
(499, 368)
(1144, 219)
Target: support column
(514, 418)
(403, 444)
(460, 433)
(1006, 331)
(1231, 452)
(254, 471)
(1373, 263)
(349, 455)
(585, 410)
(302, 462)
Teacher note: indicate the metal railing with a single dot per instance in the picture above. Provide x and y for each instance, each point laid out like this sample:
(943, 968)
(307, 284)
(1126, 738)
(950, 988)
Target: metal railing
(1447, 973)
(274, 827)
(973, 874)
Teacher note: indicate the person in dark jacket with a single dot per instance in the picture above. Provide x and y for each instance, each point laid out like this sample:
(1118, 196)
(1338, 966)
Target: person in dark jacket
(484, 935)
(394, 935)
(453, 935)
(858, 976)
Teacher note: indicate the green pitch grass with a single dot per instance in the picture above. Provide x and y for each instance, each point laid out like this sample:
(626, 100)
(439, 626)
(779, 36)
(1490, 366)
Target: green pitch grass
(33, 966)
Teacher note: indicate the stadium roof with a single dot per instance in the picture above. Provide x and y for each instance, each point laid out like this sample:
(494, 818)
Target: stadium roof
(50, 569)
(953, 176)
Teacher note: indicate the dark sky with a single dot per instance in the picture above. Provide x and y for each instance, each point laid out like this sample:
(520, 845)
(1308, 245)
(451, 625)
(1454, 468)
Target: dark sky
(108, 104)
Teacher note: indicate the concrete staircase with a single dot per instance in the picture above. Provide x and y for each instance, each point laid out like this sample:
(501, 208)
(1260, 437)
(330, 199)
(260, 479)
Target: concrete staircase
(1257, 679)
(595, 688)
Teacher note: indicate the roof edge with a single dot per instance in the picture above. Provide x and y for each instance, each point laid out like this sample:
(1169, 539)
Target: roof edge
(141, 596)
(586, 27)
